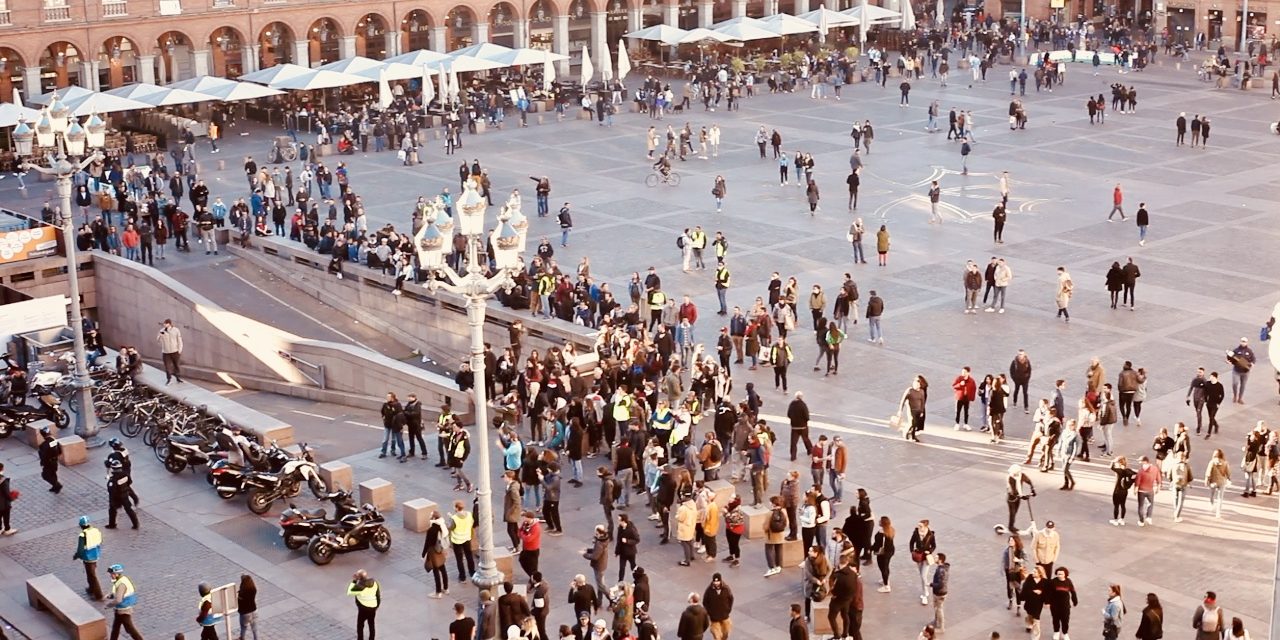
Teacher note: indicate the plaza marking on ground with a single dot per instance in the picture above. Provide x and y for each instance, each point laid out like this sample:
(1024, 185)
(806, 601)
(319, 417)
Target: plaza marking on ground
(313, 415)
(299, 311)
(362, 424)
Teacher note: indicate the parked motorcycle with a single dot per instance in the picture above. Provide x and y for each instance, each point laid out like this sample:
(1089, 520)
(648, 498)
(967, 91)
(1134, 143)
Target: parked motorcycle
(230, 479)
(357, 531)
(19, 416)
(286, 483)
(188, 450)
(297, 526)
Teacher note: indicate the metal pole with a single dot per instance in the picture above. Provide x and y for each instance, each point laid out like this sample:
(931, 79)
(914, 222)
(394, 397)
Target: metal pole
(86, 425)
(1244, 29)
(487, 575)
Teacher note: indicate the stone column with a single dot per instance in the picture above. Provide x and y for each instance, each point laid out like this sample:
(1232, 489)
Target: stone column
(147, 69)
(440, 39)
(391, 42)
(251, 57)
(31, 83)
(302, 53)
(671, 14)
(560, 43)
(88, 76)
(200, 59)
(520, 33)
(480, 33)
(346, 47)
(599, 40)
(705, 13)
(802, 6)
(740, 7)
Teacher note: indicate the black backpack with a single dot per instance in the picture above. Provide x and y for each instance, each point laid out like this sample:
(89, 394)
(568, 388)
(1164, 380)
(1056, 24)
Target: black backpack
(777, 522)
(616, 491)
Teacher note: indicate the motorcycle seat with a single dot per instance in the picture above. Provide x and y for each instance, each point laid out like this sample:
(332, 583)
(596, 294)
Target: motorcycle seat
(312, 513)
(189, 440)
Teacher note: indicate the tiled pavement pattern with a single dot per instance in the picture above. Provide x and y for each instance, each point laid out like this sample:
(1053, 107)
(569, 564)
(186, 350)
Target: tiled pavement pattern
(1209, 277)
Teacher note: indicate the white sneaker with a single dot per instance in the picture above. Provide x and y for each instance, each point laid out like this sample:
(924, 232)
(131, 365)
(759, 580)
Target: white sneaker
(1141, 523)
(1001, 311)
(1114, 523)
(924, 600)
(1122, 522)
(884, 589)
(991, 310)
(653, 516)
(968, 428)
(1178, 519)
(1151, 520)
(957, 426)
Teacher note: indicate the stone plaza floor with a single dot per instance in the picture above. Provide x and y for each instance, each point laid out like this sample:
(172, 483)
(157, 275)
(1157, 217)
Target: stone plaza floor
(1210, 275)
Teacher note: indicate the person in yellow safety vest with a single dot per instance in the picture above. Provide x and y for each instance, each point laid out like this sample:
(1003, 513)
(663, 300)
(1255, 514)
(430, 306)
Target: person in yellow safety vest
(694, 407)
(721, 245)
(662, 421)
(546, 286)
(679, 430)
(722, 287)
(622, 406)
(461, 524)
(123, 598)
(368, 596)
(443, 426)
(88, 549)
(207, 619)
(698, 241)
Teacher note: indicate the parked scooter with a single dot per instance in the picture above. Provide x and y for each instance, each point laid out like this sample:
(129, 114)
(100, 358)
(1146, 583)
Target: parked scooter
(19, 416)
(297, 526)
(271, 486)
(357, 531)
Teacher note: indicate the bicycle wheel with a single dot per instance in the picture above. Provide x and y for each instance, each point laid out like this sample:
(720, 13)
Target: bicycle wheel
(289, 154)
(673, 179)
(651, 180)
(162, 450)
(108, 413)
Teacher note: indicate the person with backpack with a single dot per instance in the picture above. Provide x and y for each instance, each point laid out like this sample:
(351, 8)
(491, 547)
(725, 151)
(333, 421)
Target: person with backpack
(735, 526)
(711, 457)
(965, 149)
(1208, 620)
(775, 534)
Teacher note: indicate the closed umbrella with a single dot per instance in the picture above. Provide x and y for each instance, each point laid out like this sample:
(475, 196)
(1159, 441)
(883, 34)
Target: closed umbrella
(624, 61)
(606, 63)
(587, 69)
(384, 91)
(941, 15)
(428, 89)
(548, 73)
(908, 16)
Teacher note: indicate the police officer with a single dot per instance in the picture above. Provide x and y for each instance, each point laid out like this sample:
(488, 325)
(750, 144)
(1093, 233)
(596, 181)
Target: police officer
(49, 452)
(88, 548)
(118, 492)
(206, 617)
(121, 454)
(123, 598)
(368, 596)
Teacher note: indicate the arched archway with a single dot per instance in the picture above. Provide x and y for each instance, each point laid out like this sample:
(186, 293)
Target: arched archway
(324, 37)
(415, 31)
(226, 53)
(118, 62)
(616, 21)
(503, 18)
(176, 60)
(372, 37)
(542, 16)
(275, 45)
(59, 67)
(460, 24)
(12, 69)
(580, 25)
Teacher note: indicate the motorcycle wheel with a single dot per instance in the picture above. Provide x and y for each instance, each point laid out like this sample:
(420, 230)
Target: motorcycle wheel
(162, 450)
(6, 428)
(294, 543)
(381, 540)
(61, 418)
(319, 551)
(208, 477)
(317, 487)
(174, 464)
(260, 502)
(293, 490)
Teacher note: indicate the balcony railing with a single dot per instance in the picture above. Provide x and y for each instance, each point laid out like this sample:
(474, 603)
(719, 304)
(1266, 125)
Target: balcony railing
(223, 4)
(115, 9)
(57, 14)
(6, 18)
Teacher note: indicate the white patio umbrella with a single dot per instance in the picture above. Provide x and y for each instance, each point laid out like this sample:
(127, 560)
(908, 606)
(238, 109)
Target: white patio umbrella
(787, 25)
(465, 63)
(373, 69)
(624, 60)
(833, 18)
(525, 56)
(11, 114)
(485, 50)
(745, 29)
(418, 58)
(870, 14)
(271, 75)
(455, 89)
(318, 79)
(664, 33)
(17, 97)
(64, 94)
(384, 91)
(428, 89)
(548, 73)
(940, 15)
(908, 16)
(606, 63)
(224, 89)
(587, 69)
(103, 103)
(158, 96)
(698, 35)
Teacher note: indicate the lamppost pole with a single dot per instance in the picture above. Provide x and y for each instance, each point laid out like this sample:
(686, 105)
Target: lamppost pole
(476, 284)
(57, 127)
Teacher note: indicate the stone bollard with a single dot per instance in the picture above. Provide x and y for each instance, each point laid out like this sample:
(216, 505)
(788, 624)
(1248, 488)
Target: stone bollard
(378, 492)
(792, 553)
(31, 435)
(757, 521)
(417, 514)
(336, 475)
(723, 489)
(74, 450)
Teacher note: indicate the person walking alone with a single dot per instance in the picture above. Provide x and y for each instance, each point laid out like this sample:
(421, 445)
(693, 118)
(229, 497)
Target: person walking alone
(935, 194)
(1117, 203)
(566, 224)
(88, 550)
(170, 339)
(1063, 296)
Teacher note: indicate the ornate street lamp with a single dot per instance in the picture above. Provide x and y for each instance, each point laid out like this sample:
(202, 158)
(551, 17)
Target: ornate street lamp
(57, 128)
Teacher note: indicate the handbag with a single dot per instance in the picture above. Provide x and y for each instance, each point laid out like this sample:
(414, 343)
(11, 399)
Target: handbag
(895, 421)
(917, 556)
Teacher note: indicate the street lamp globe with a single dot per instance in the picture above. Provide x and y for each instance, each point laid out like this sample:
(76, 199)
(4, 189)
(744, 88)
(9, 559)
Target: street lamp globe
(506, 245)
(44, 130)
(59, 114)
(75, 139)
(471, 209)
(430, 244)
(520, 223)
(96, 130)
(444, 221)
(23, 136)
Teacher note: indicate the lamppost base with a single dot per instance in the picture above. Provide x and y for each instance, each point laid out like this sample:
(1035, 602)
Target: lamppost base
(488, 581)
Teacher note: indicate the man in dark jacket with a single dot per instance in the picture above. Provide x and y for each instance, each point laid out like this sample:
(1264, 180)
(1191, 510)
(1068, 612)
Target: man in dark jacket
(718, 601)
(798, 629)
(798, 414)
(846, 601)
(693, 621)
(1020, 374)
(1131, 275)
(512, 607)
(50, 450)
(413, 420)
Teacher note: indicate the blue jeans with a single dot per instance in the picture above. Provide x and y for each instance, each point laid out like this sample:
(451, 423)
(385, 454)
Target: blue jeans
(1142, 232)
(1146, 502)
(930, 124)
(873, 325)
(533, 496)
(577, 470)
(564, 236)
(720, 294)
(399, 441)
(997, 300)
(324, 190)
(857, 252)
(837, 485)
(378, 144)
(1179, 497)
(542, 205)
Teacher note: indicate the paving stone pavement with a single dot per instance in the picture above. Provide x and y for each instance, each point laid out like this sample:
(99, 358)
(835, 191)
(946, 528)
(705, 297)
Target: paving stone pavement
(1209, 277)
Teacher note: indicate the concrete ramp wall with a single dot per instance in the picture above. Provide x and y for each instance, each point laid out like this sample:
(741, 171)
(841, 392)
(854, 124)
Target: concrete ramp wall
(223, 346)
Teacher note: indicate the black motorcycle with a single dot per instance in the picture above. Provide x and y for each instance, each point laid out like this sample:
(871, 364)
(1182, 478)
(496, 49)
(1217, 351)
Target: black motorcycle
(230, 479)
(355, 532)
(265, 487)
(19, 416)
(297, 526)
(187, 450)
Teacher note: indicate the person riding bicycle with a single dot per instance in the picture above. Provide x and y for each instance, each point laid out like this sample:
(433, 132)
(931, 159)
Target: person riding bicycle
(663, 166)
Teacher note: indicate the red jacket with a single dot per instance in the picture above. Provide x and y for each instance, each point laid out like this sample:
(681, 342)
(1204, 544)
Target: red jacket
(965, 387)
(531, 536)
(688, 310)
